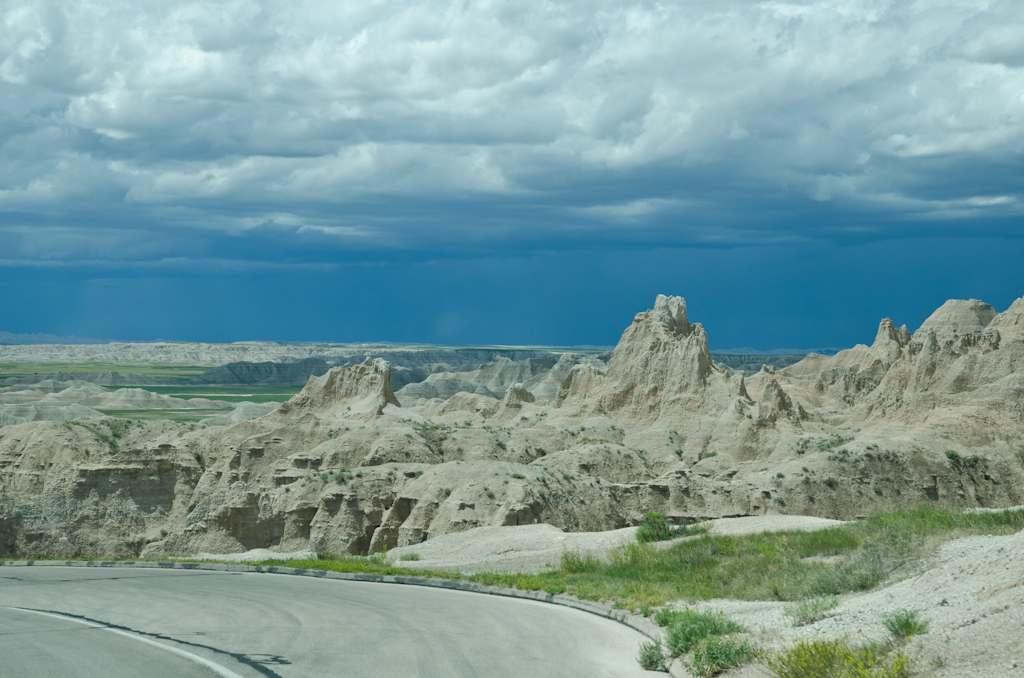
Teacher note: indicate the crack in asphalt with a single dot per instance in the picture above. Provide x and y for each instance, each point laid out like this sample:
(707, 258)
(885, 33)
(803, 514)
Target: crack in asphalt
(259, 665)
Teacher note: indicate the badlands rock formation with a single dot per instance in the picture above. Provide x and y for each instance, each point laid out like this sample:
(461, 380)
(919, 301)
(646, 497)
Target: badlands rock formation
(346, 467)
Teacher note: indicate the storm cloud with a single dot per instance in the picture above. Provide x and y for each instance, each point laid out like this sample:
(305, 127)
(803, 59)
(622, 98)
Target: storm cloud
(260, 135)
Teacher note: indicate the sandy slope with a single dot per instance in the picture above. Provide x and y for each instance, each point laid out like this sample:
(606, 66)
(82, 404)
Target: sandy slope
(972, 593)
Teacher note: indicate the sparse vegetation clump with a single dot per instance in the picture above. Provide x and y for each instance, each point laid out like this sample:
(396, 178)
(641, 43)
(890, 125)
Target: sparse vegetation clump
(810, 610)
(654, 527)
(838, 659)
(687, 628)
(115, 429)
(963, 463)
(652, 656)
(905, 624)
(715, 654)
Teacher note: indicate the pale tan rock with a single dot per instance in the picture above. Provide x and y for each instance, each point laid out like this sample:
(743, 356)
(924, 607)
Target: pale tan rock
(342, 467)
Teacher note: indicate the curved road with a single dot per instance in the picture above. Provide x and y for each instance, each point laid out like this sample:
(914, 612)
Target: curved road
(126, 622)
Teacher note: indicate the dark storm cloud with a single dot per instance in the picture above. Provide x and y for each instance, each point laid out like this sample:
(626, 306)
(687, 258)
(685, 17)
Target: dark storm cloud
(179, 131)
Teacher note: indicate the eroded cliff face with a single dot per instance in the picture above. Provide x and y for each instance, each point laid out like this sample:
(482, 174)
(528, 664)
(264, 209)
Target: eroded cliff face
(343, 468)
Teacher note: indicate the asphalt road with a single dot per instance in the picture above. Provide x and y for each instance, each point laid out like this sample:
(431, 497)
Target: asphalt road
(127, 622)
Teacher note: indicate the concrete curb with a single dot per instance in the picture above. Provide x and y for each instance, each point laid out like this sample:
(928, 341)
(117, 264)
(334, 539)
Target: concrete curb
(639, 624)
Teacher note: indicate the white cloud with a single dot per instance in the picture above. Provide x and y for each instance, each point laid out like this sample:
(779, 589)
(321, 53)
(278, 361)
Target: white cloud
(276, 107)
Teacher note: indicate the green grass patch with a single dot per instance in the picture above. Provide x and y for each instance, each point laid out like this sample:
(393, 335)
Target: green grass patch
(231, 394)
(717, 653)
(652, 656)
(654, 527)
(172, 370)
(687, 628)
(777, 566)
(827, 658)
(166, 415)
(905, 624)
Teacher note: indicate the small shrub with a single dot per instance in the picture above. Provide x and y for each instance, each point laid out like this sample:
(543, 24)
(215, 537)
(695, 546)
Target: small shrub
(652, 656)
(827, 658)
(447, 491)
(810, 611)
(780, 475)
(575, 562)
(708, 455)
(409, 556)
(519, 476)
(653, 527)
(831, 482)
(905, 624)
(878, 490)
(716, 654)
(688, 627)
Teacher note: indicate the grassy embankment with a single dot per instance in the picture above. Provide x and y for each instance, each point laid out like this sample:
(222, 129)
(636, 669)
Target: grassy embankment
(775, 566)
(178, 371)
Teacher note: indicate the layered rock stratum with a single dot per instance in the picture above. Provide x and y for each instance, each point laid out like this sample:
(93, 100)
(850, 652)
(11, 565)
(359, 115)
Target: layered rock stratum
(347, 467)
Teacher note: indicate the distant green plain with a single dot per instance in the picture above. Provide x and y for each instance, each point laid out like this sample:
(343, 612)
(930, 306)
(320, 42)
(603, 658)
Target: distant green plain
(232, 394)
(158, 370)
(185, 416)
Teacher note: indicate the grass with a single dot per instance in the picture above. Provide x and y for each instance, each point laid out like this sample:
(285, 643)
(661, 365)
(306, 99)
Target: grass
(231, 394)
(654, 527)
(775, 566)
(905, 624)
(716, 654)
(838, 658)
(652, 656)
(810, 610)
(963, 463)
(688, 628)
(409, 556)
(172, 370)
(186, 416)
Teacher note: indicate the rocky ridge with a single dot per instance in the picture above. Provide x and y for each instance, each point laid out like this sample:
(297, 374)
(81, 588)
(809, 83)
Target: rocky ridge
(347, 467)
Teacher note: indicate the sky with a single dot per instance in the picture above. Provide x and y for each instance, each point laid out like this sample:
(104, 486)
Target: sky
(506, 172)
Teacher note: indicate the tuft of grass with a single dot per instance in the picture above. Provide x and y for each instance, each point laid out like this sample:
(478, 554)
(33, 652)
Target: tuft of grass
(687, 628)
(827, 658)
(716, 654)
(652, 656)
(654, 527)
(962, 463)
(577, 561)
(409, 556)
(905, 624)
(810, 610)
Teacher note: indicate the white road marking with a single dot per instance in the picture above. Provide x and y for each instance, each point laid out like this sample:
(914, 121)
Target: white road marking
(216, 668)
